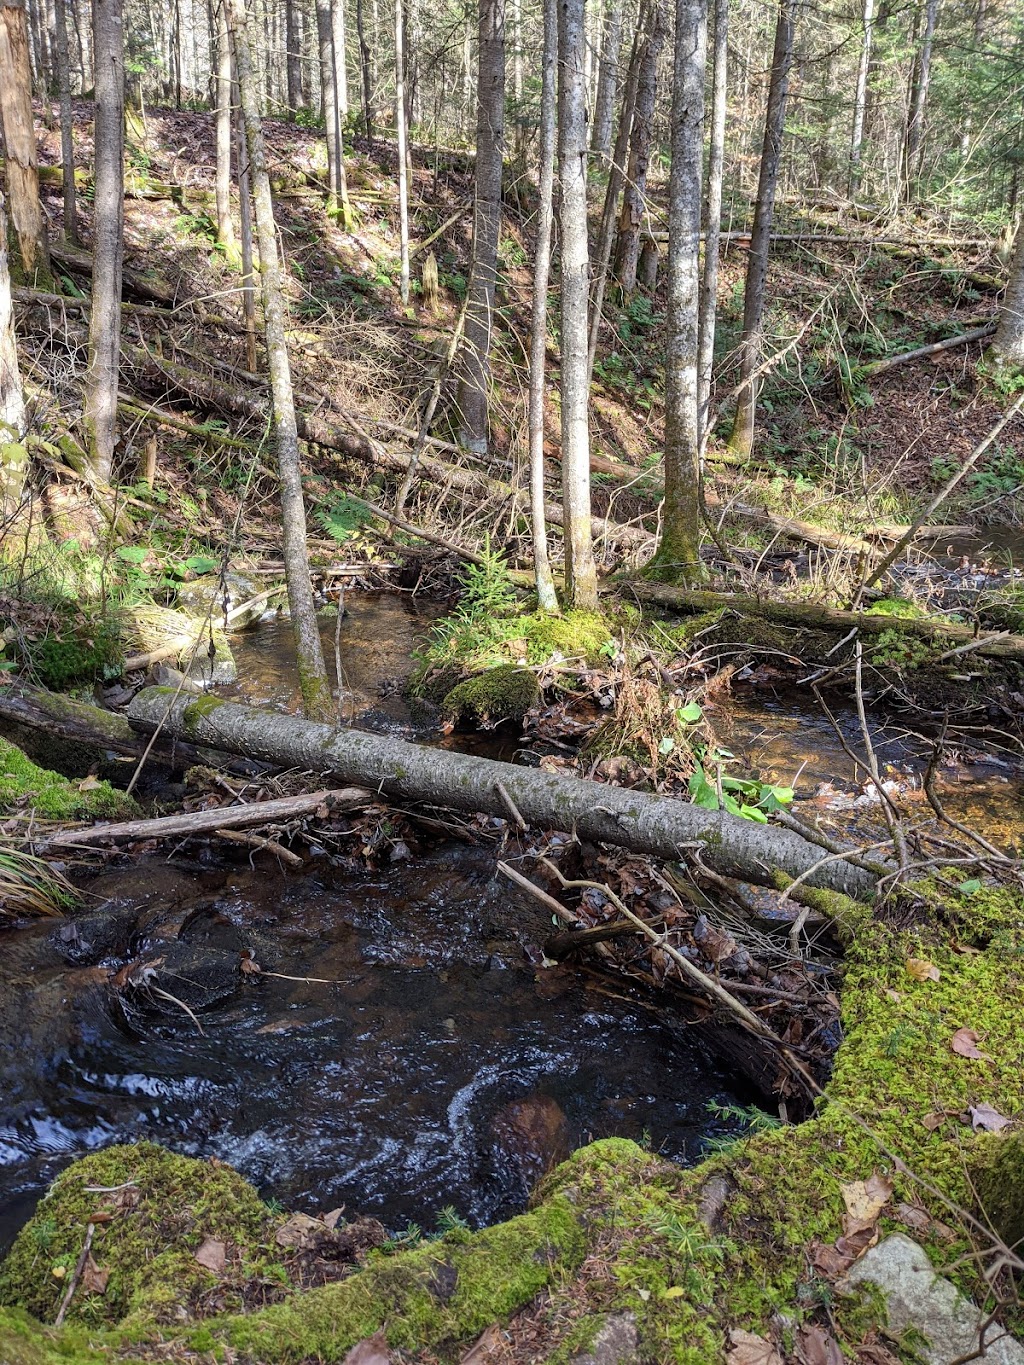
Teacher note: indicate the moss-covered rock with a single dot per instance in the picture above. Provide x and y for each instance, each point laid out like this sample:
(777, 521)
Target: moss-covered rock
(53, 797)
(503, 693)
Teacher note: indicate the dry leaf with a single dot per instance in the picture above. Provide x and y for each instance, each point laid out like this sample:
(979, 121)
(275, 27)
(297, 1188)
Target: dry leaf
(94, 1280)
(855, 1243)
(749, 1349)
(865, 1200)
(983, 1116)
(828, 1262)
(249, 966)
(371, 1351)
(301, 1232)
(89, 784)
(965, 1044)
(817, 1347)
(332, 1219)
(674, 1291)
(212, 1254)
(933, 1121)
(966, 950)
(921, 969)
(913, 1217)
(892, 995)
(484, 1346)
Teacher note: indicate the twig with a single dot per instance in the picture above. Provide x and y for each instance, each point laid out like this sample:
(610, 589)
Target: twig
(166, 995)
(258, 841)
(79, 1269)
(979, 643)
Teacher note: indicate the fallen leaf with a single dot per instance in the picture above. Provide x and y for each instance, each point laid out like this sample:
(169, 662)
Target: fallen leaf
(933, 1121)
(965, 1044)
(817, 1347)
(828, 1262)
(912, 1217)
(892, 995)
(645, 1294)
(921, 969)
(332, 1219)
(674, 1291)
(94, 1280)
(89, 784)
(249, 966)
(865, 1200)
(212, 1254)
(854, 1244)
(301, 1232)
(370, 1351)
(750, 1349)
(484, 1347)
(966, 950)
(983, 1116)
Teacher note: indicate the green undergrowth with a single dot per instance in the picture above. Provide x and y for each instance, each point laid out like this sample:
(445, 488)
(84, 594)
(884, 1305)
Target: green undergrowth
(616, 1229)
(24, 785)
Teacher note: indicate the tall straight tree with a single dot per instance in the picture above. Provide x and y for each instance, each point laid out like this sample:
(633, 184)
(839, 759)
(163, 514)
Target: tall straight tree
(67, 142)
(103, 373)
(293, 55)
(678, 555)
(20, 142)
(401, 129)
(860, 97)
(607, 80)
(914, 146)
(316, 690)
(742, 437)
(332, 63)
(13, 457)
(225, 223)
(490, 149)
(539, 330)
(712, 216)
(580, 568)
(1007, 349)
(627, 245)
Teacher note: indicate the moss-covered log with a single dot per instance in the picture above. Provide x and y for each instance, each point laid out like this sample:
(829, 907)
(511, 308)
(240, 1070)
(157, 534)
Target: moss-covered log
(413, 772)
(813, 616)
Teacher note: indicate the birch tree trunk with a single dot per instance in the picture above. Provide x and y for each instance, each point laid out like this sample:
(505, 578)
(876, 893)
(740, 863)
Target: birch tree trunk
(712, 221)
(365, 71)
(580, 569)
(20, 141)
(103, 373)
(677, 558)
(742, 437)
(490, 149)
(627, 246)
(316, 690)
(13, 455)
(67, 141)
(918, 101)
(1007, 349)
(403, 162)
(546, 597)
(607, 80)
(860, 97)
(340, 53)
(331, 62)
(225, 223)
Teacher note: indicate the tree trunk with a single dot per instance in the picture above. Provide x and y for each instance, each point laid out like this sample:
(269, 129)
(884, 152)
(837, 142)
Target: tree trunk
(67, 141)
(607, 81)
(860, 98)
(580, 569)
(316, 691)
(742, 438)
(20, 140)
(490, 149)
(1007, 347)
(340, 54)
(656, 825)
(13, 455)
(365, 70)
(225, 223)
(678, 554)
(712, 221)
(914, 149)
(293, 55)
(331, 65)
(627, 246)
(546, 598)
(102, 376)
(403, 161)
(246, 236)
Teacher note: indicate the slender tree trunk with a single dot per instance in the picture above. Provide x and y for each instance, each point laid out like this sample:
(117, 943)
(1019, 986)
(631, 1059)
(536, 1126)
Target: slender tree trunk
(365, 70)
(712, 220)
(316, 690)
(742, 438)
(980, 14)
(677, 558)
(225, 222)
(340, 67)
(580, 569)
(490, 149)
(67, 141)
(607, 80)
(20, 141)
(860, 97)
(518, 83)
(403, 162)
(13, 455)
(914, 149)
(293, 58)
(616, 176)
(246, 235)
(327, 27)
(1007, 349)
(103, 374)
(627, 246)
(546, 597)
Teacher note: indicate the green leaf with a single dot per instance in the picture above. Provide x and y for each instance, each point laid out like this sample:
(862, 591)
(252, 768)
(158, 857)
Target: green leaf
(968, 888)
(690, 713)
(131, 554)
(666, 746)
(702, 793)
(754, 813)
(200, 564)
(740, 784)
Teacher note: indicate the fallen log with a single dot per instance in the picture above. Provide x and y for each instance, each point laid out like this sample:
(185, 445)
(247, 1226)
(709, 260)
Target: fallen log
(210, 821)
(816, 617)
(403, 771)
(920, 352)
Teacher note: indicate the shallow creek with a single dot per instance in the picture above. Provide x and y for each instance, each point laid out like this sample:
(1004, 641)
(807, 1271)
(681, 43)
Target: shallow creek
(431, 1062)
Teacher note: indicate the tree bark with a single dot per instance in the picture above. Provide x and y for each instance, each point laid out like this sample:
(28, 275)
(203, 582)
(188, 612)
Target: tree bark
(67, 141)
(580, 568)
(607, 81)
(25, 206)
(331, 83)
(742, 437)
(245, 234)
(712, 220)
(225, 222)
(860, 97)
(474, 381)
(914, 149)
(316, 690)
(629, 819)
(365, 71)
(403, 162)
(1007, 347)
(678, 554)
(340, 54)
(627, 246)
(102, 376)
(546, 597)
(13, 455)
(293, 55)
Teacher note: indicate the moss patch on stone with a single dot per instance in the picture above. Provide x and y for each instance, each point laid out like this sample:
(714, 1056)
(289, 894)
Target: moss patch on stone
(23, 784)
(503, 693)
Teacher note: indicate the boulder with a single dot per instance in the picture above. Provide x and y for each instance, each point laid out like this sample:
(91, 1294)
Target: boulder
(197, 598)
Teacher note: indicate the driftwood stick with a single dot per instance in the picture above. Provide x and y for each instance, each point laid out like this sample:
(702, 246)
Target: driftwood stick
(76, 1275)
(258, 841)
(211, 821)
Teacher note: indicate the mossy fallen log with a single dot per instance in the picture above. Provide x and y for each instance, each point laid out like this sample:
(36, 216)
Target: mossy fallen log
(813, 616)
(403, 771)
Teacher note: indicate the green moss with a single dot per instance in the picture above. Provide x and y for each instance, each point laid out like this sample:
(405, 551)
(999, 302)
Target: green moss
(148, 1248)
(53, 797)
(896, 606)
(77, 651)
(24, 1342)
(997, 1173)
(199, 709)
(503, 693)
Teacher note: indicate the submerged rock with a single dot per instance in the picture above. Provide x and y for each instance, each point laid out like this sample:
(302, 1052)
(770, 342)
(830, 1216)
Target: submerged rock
(211, 597)
(531, 1136)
